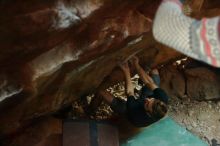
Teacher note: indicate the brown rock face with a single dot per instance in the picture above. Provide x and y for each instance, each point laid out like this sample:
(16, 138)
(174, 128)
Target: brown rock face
(194, 80)
(54, 52)
(173, 81)
(203, 83)
(42, 132)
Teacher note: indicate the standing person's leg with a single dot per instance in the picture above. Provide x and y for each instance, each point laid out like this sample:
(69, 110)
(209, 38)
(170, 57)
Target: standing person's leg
(198, 39)
(116, 104)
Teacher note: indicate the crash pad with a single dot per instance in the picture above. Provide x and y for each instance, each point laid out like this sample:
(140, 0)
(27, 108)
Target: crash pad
(165, 132)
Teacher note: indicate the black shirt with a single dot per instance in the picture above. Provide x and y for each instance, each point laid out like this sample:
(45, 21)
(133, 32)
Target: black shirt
(135, 108)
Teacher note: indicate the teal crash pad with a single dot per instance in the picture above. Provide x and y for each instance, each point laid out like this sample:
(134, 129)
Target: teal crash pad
(165, 132)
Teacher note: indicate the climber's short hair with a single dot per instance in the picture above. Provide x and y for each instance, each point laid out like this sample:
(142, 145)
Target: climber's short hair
(159, 109)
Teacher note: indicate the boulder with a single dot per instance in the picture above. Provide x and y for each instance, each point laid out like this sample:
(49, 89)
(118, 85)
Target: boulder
(42, 132)
(55, 52)
(203, 83)
(173, 81)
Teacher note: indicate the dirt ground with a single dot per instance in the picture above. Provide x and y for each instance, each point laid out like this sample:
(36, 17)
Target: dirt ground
(202, 118)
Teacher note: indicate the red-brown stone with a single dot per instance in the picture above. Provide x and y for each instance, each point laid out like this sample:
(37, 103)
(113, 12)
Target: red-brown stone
(42, 132)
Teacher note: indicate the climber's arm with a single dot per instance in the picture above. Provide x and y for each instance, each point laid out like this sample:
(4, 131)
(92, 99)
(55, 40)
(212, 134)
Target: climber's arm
(106, 95)
(148, 81)
(128, 84)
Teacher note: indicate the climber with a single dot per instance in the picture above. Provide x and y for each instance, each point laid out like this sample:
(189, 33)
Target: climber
(198, 39)
(151, 104)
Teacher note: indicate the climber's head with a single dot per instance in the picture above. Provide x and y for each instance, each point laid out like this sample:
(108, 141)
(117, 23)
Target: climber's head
(155, 108)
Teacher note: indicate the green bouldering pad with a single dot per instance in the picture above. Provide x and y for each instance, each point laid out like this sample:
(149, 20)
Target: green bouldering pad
(165, 132)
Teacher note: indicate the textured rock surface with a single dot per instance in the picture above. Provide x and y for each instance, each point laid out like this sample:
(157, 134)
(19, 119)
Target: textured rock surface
(173, 81)
(42, 132)
(195, 81)
(54, 52)
(203, 83)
